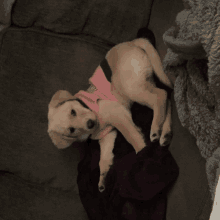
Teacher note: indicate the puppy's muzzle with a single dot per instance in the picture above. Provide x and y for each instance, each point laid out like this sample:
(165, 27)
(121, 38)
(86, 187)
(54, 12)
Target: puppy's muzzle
(90, 124)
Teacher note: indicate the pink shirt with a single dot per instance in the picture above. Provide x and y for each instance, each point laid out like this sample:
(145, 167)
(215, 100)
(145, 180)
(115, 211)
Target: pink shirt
(100, 88)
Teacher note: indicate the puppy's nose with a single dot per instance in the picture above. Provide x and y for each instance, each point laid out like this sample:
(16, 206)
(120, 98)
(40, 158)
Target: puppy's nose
(90, 124)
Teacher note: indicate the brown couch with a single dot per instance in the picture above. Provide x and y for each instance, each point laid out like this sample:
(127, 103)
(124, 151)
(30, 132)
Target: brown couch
(54, 45)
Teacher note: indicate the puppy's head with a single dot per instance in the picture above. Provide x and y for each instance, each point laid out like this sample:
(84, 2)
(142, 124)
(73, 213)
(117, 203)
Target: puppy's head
(69, 119)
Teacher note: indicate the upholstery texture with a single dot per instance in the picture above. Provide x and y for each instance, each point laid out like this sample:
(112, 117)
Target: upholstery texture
(112, 20)
(34, 66)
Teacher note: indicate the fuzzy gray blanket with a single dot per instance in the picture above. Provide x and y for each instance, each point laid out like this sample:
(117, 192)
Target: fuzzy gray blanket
(193, 57)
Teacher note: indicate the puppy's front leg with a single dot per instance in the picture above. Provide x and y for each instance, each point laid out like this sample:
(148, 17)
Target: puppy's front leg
(106, 158)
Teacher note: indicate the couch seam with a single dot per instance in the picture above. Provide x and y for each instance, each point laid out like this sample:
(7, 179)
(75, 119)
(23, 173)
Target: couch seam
(101, 43)
(80, 37)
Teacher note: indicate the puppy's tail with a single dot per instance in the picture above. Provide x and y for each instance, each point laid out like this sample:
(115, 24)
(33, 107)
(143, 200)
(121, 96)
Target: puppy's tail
(154, 59)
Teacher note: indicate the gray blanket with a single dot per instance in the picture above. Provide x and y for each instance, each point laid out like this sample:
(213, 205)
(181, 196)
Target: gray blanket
(193, 57)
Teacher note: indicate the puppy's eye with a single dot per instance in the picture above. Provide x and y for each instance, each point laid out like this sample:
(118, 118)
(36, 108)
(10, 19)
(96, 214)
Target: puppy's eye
(72, 129)
(73, 112)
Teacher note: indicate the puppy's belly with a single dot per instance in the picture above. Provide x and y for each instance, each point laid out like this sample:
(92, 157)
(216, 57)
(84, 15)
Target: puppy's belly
(127, 90)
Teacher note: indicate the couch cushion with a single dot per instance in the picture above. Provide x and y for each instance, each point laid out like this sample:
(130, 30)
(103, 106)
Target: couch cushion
(112, 20)
(24, 200)
(190, 197)
(33, 66)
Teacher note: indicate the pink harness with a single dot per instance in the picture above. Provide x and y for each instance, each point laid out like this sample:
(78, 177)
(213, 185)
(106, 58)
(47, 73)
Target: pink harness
(100, 88)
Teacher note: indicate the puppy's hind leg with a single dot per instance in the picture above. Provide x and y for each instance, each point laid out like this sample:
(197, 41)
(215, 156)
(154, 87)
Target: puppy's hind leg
(160, 112)
(154, 59)
(155, 99)
(106, 158)
(166, 135)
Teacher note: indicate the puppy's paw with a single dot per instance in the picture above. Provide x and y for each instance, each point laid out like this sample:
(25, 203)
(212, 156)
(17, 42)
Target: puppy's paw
(167, 134)
(101, 185)
(166, 138)
(104, 166)
(155, 135)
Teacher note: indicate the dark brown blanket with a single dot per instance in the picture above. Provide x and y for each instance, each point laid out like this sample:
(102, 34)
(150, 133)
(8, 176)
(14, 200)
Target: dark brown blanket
(136, 185)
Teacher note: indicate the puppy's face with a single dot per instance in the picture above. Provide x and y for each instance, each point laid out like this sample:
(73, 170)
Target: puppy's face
(71, 121)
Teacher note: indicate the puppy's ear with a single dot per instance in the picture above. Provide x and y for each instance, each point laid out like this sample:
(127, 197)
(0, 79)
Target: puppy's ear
(58, 97)
(57, 138)
(60, 141)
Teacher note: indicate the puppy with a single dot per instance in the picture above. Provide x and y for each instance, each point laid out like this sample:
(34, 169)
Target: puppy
(105, 107)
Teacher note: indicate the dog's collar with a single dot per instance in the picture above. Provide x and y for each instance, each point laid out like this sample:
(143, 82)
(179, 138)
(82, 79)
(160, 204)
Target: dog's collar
(82, 103)
(74, 99)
